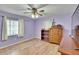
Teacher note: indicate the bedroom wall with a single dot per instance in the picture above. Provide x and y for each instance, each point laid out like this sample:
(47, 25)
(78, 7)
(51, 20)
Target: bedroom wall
(64, 20)
(29, 29)
(75, 20)
(33, 26)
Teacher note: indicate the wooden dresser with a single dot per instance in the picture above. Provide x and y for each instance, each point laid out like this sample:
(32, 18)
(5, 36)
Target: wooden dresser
(55, 34)
(52, 35)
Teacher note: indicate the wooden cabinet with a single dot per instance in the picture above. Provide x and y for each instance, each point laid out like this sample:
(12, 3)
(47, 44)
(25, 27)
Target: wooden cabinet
(44, 35)
(55, 34)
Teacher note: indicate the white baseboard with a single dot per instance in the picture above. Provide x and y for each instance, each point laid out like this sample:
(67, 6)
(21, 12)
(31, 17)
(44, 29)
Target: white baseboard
(16, 42)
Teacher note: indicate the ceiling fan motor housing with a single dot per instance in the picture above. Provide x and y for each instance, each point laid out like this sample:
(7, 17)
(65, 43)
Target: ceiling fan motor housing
(34, 11)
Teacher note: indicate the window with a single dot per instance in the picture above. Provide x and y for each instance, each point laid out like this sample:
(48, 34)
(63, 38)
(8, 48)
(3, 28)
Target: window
(12, 27)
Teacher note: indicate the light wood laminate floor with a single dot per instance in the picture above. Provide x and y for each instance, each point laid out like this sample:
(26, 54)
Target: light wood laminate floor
(31, 47)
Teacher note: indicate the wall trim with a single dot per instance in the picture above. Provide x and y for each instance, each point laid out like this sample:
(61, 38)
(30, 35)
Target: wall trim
(16, 43)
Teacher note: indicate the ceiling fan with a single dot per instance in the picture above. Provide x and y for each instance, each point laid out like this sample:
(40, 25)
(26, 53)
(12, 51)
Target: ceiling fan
(34, 11)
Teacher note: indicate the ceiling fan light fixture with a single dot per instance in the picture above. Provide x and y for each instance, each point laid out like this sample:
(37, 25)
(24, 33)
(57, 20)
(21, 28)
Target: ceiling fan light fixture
(34, 15)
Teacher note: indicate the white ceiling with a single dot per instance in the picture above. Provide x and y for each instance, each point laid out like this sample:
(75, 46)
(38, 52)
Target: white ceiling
(50, 9)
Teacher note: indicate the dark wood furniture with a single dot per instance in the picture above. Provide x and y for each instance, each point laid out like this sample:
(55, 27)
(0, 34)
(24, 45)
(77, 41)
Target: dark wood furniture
(69, 46)
(44, 35)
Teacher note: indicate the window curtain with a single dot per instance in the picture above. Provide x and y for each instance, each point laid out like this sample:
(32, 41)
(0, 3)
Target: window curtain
(4, 28)
(21, 28)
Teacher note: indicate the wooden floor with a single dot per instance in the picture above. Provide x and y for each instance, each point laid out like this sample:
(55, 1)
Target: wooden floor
(31, 47)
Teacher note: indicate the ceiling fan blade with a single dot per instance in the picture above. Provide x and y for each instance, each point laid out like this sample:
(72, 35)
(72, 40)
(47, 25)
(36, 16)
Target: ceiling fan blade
(27, 12)
(29, 9)
(41, 11)
(39, 14)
